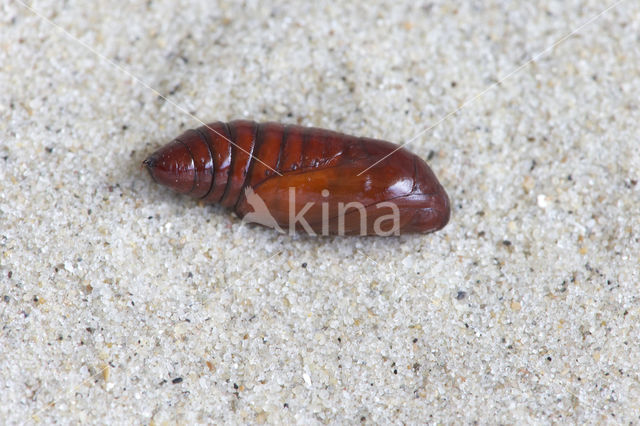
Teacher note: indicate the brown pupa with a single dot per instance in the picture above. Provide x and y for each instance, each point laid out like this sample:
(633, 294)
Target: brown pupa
(296, 178)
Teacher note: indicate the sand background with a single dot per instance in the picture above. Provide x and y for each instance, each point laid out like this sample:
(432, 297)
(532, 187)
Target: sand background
(121, 302)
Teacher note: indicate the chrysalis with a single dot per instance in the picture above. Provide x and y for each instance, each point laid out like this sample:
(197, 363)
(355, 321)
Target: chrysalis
(301, 179)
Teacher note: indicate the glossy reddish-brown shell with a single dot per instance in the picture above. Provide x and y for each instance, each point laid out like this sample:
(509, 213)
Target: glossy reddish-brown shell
(311, 172)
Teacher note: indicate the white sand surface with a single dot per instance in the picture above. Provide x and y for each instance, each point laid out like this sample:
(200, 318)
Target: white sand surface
(121, 302)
